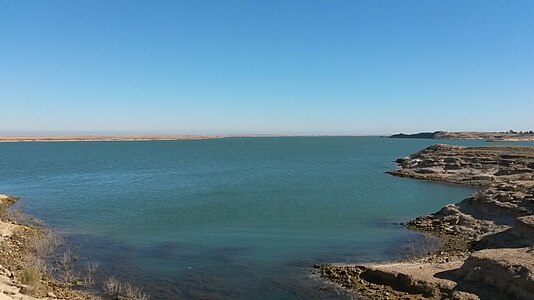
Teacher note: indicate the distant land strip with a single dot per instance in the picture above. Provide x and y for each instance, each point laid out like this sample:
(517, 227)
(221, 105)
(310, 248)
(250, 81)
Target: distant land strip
(111, 138)
(509, 136)
(105, 138)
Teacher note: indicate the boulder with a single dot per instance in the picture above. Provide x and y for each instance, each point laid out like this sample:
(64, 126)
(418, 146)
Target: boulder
(510, 271)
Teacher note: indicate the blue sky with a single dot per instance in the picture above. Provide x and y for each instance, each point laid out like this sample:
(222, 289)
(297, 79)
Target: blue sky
(261, 66)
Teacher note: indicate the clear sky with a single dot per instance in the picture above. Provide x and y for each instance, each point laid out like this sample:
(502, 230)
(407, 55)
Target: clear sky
(265, 66)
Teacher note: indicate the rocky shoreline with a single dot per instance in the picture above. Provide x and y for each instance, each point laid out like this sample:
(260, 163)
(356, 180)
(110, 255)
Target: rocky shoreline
(38, 264)
(20, 275)
(510, 136)
(487, 249)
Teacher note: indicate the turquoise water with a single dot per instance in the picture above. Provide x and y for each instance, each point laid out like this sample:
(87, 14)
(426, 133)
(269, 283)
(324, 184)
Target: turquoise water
(224, 218)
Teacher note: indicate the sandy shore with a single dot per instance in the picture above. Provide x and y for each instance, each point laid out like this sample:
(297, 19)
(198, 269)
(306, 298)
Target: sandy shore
(486, 242)
(15, 281)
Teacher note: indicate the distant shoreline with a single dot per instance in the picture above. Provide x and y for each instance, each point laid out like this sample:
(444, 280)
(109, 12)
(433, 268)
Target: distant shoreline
(104, 138)
(437, 135)
(510, 136)
(130, 138)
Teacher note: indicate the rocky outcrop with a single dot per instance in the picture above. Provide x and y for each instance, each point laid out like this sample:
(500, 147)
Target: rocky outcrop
(509, 270)
(488, 136)
(488, 248)
(420, 135)
(479, 166)
(524, 228)
(14, 240)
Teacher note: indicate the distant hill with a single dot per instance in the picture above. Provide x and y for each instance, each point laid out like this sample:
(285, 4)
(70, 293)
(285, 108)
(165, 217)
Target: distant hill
(420, 135)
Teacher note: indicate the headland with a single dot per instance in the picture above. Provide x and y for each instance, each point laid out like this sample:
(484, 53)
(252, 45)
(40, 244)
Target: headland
(509, 136)
(480, 248)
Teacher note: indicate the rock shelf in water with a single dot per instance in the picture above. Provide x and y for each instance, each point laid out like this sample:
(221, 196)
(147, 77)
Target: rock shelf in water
(488, 238)
(510, 136)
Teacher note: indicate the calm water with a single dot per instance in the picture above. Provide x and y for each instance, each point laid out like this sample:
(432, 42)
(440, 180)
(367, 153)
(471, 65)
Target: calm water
(224, 218)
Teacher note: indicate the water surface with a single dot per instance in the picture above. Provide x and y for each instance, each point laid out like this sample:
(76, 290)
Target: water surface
(224, 218)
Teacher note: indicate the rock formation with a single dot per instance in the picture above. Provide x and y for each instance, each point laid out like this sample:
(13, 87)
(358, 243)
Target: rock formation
(488, 250)
(510, 136)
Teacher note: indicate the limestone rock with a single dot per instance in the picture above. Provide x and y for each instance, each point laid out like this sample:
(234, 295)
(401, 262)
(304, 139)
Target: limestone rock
(509, 270)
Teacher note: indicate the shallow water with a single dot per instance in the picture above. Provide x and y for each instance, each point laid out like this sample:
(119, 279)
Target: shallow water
(224, 218)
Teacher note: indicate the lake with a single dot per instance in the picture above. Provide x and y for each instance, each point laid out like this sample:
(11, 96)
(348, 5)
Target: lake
(231, 218)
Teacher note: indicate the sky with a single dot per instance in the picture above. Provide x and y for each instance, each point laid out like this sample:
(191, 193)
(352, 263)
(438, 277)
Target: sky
(264, 66)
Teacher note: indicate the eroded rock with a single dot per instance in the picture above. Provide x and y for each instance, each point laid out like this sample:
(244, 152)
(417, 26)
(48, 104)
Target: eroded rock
(477, 257)
(509, 270)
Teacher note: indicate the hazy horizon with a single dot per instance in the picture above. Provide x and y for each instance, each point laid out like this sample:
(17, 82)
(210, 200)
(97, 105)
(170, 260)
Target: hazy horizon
(256, 67)
(137, 133)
